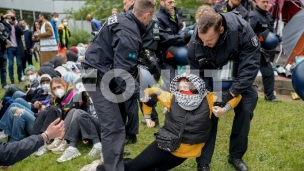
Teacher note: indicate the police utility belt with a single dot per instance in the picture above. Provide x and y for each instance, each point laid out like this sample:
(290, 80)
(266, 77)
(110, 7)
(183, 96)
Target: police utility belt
(90, 75)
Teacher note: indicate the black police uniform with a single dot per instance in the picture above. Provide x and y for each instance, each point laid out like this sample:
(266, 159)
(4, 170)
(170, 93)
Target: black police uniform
(261, 20)
(116, 46)
(147, 58)
(168, 31)
(225, 7)
(240, 44)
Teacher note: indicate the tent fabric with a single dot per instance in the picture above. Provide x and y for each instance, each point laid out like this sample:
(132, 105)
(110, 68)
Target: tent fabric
(293, 32)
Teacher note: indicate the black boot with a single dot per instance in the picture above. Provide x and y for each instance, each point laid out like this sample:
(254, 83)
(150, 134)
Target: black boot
(131, 139)
(203, 167)
(238, 164)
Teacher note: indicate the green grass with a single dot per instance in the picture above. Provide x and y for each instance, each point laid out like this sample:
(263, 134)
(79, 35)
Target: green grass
(276, 142)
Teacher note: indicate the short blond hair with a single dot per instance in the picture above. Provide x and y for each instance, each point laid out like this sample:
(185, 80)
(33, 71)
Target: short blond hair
(89, 17)
(201, 10)
(143, 6)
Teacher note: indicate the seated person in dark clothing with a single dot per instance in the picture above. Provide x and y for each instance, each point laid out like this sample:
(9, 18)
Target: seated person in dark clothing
(32, 76)
(86, 127)
(64, 98)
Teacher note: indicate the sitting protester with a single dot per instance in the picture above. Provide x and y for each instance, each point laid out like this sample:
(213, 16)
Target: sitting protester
(15, 92)
(18, 118)
(187, 122)
(11, 153)
(71, 64)
(88, 128)
(64, 99)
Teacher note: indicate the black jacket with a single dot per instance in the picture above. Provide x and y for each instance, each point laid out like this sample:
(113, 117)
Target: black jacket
(198, 125)
(261, 20)
(13, 152)
(151, 36)
(225, 7)
(238, 43)
(169, 29)
(28, 39)
(117, 47)
(7, 29)
(18, 34)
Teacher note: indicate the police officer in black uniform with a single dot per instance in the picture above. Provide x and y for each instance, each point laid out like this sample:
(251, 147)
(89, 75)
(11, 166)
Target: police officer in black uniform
(146, 58)
(113, 55)
(232, 5)
(217, 39)
(261, 20)
(170, 23)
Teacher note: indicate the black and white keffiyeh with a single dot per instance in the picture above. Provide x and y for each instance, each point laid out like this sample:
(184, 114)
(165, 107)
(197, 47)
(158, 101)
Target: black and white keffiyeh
(189, 102)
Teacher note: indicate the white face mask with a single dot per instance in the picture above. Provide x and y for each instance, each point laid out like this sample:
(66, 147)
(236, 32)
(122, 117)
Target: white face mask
(59, 92)
(32, 77)
(45, 87)
(55, 19)
(65, 23)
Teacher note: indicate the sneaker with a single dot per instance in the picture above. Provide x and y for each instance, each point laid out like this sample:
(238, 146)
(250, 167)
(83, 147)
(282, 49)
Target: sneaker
(61, 148)
(69, 154)
(95, 152)
(54, 144)
(92, 166)
(3, 135)
(41, 151)
(5, 87)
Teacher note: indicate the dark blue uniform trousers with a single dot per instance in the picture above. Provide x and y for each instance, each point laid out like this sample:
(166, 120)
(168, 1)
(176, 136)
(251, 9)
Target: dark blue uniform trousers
(240, 128)
(112, 128)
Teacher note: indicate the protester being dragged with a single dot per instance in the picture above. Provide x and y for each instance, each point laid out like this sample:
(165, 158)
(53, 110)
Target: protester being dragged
(188, 122)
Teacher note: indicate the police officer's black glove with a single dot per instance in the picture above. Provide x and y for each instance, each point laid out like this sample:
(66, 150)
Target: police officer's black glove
(279, 38)
(187, 36)
(152, 100)
(226, 96)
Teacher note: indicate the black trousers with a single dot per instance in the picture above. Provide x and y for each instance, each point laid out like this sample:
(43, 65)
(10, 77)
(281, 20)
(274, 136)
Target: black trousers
(132, 114)
(27, 58)
(84, 126)
(240, 128)
(153, 158)
(113, 128)
(44, 118)
(267, 76)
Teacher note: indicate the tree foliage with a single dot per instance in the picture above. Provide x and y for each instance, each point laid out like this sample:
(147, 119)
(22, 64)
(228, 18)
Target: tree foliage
(101, 9)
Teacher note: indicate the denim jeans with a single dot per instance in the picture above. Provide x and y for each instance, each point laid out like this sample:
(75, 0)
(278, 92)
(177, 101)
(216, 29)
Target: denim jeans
(18, 125)
(11, 52)
(20, 103)
(10, 91)
(3, 62)
(18, 94)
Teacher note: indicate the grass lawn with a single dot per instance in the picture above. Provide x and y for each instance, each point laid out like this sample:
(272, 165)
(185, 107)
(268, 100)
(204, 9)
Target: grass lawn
(276, 142)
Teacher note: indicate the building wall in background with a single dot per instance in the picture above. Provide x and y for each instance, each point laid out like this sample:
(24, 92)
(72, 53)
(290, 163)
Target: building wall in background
(30, 10)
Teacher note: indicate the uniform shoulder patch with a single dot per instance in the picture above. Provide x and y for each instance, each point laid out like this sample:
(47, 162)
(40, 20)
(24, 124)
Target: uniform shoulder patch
(255, 41)
(154, 18)
(112, 19)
